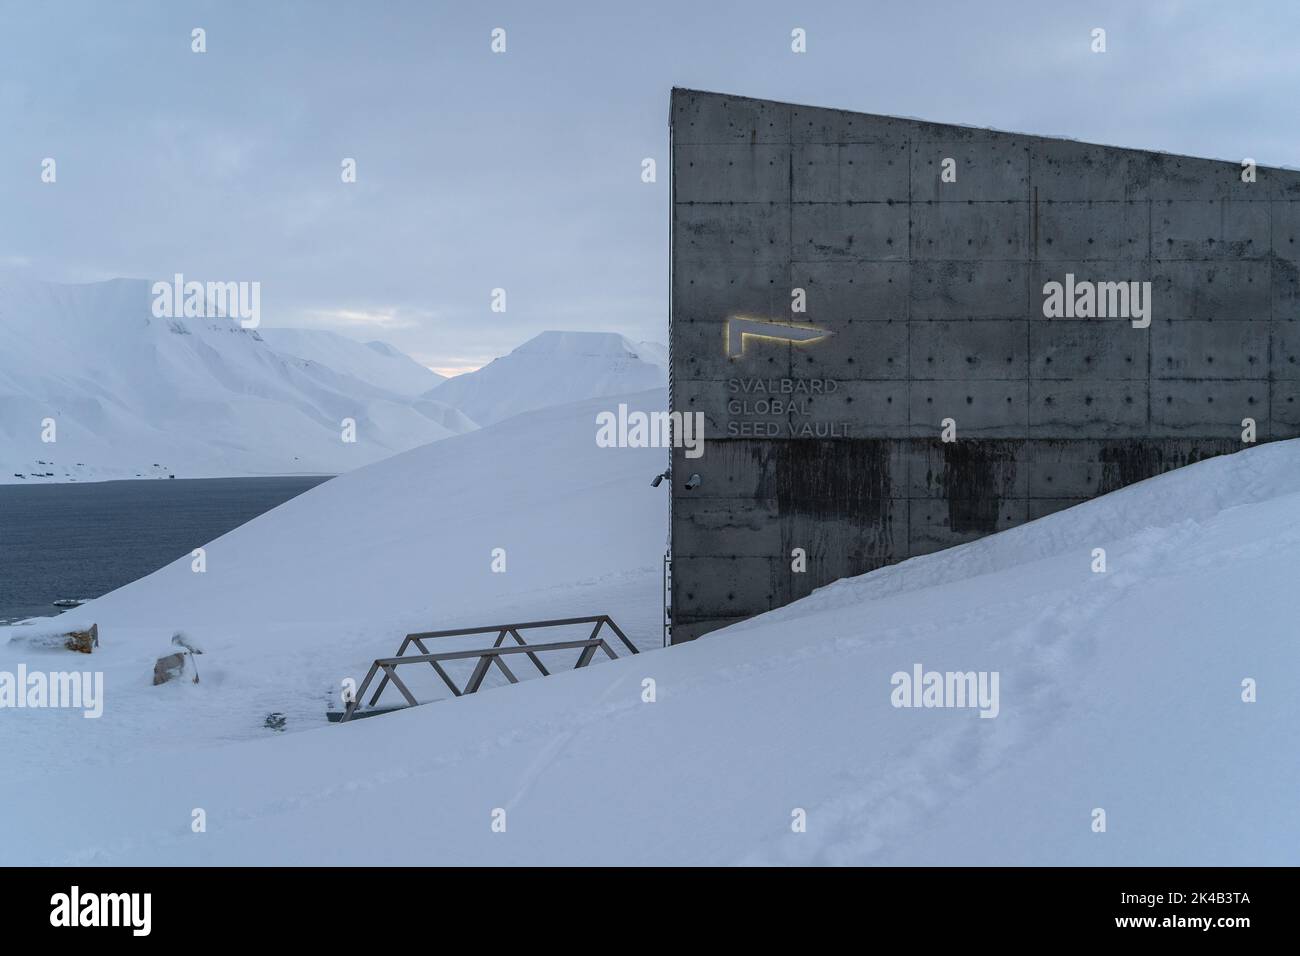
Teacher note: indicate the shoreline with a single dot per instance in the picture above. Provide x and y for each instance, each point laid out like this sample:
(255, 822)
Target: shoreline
(13, 482)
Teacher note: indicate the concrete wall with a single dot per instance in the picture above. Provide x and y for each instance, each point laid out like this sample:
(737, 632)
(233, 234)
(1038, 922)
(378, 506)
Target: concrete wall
(934, 293)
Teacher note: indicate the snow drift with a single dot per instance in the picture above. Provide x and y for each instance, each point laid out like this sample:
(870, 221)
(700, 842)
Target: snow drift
(309, 593)
(1120, 690)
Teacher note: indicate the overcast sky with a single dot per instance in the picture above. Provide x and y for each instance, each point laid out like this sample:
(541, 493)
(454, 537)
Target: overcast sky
(522, 170)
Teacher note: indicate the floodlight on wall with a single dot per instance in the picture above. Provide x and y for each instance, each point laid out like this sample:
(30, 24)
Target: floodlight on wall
(693, 482)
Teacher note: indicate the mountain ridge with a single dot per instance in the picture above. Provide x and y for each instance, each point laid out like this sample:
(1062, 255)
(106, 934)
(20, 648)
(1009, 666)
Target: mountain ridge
(93, 386)
(555, 368)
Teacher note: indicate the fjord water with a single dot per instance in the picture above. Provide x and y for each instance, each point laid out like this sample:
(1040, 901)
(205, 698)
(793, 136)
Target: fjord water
(86, 539)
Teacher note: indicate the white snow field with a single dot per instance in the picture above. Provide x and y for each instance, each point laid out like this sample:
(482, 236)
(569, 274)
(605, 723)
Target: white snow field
(376, 363)
(1119, 690)
(131, 395)
(555, 368)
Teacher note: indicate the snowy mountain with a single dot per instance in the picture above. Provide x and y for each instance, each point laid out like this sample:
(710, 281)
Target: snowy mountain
(1120, 690)
(125, 394)
(376, 363)
(555, 368)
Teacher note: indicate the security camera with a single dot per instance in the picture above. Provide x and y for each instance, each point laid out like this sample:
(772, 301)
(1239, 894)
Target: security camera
(659, 478)
(693, 482)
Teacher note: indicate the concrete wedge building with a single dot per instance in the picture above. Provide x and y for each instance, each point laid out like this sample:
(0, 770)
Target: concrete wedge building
(904, 335)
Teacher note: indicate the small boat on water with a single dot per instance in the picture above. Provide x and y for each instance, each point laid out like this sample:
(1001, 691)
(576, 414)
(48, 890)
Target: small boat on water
(70, 602)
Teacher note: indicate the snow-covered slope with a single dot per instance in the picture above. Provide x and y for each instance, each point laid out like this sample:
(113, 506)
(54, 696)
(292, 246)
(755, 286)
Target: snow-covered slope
(134, 395)
(376, 363)
(312, 591)
(1119, 691)
(653, 352)
(555, 368)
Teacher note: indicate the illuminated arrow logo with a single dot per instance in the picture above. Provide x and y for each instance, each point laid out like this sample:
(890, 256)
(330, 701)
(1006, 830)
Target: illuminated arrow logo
(738, 330)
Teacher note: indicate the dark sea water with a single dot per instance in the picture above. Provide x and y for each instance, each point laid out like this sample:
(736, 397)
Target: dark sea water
(84, 540)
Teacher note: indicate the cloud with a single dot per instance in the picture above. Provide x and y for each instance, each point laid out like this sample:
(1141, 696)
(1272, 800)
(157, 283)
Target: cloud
(227, 164)
(379, 318)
